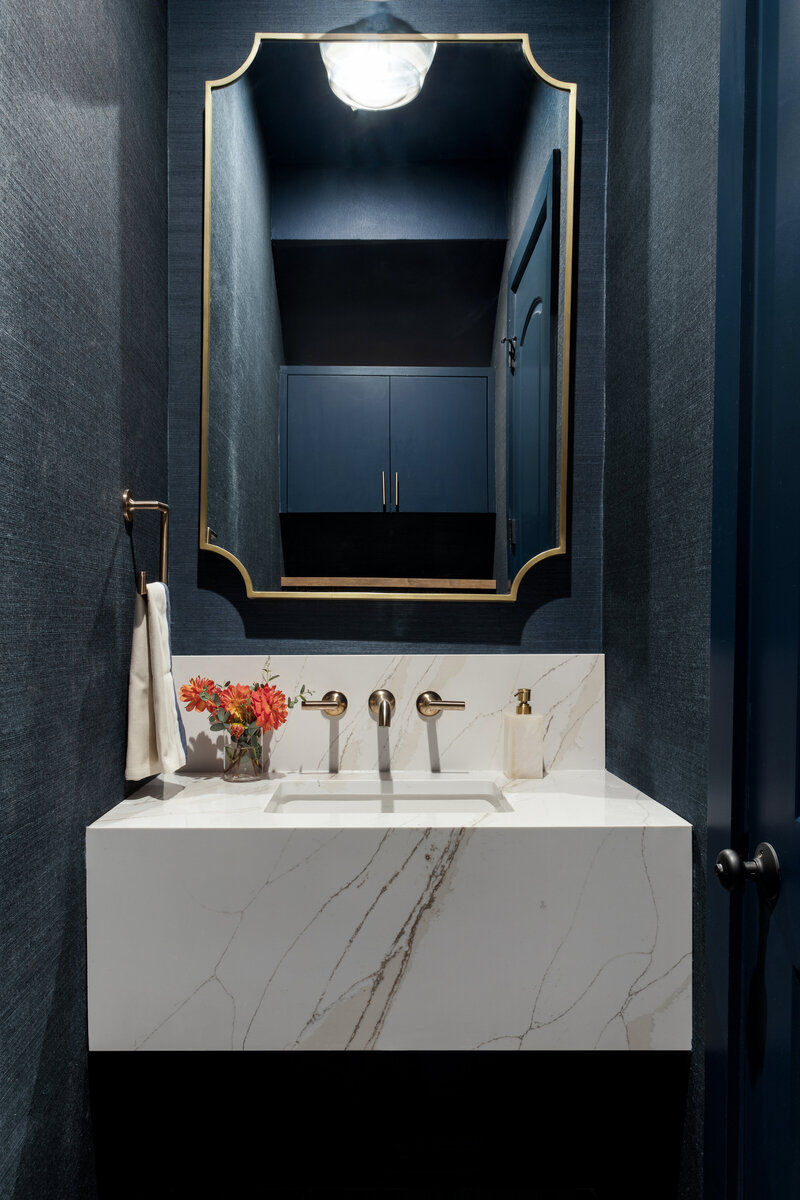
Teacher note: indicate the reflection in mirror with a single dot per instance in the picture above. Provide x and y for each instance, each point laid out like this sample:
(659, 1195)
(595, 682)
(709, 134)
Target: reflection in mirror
(387, 325)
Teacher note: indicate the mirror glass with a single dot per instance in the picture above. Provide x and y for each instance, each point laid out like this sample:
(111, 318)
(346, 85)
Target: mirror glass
(386, 324)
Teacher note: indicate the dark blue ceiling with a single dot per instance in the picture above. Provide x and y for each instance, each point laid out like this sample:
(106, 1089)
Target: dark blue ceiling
(472, 108)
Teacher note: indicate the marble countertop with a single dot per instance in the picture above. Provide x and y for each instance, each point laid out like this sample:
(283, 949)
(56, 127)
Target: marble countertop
(563, 799)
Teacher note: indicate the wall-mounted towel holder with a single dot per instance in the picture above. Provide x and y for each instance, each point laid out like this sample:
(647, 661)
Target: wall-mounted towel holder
(131, 506)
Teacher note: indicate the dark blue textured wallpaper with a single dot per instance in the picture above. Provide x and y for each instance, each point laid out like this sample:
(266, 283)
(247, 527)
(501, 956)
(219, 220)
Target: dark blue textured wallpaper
(83, 359)
(244, 412)
(664, 88)
(560, 604)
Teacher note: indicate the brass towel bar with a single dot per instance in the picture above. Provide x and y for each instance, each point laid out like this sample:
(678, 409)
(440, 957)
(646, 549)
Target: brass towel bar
(131, 506)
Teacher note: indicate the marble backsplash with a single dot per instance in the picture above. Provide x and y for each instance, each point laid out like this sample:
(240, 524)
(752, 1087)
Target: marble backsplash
(568, 689)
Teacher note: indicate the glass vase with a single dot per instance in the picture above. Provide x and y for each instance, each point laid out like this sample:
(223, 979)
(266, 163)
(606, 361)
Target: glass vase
(243, 757)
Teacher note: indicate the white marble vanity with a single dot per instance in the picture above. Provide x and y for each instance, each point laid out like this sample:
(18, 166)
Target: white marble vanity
(395, 907)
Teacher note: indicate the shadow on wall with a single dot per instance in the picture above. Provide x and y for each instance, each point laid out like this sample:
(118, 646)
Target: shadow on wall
(416, 625)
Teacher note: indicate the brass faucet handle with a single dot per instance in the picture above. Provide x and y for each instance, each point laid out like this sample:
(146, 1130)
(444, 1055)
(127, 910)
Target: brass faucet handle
(333, 704)
(430, 704)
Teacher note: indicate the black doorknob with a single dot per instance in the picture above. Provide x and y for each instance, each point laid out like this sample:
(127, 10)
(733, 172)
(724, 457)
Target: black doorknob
(733, 871)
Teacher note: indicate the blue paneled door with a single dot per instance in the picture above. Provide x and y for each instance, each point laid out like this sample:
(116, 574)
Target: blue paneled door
(337, 443)
(530, 413)
(771, 959)
(753, 1059)
(439, 443)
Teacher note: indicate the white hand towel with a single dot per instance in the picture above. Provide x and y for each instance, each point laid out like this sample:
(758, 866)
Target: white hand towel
(156, 741)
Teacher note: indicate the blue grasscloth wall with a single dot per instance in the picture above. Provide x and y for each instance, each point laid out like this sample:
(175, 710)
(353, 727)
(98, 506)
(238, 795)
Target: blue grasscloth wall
(83, 360)
(560, 604)
(662, 198)
(243, 372)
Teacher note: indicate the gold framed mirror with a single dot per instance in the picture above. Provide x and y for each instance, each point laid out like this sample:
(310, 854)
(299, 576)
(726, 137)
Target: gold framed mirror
(386, 323)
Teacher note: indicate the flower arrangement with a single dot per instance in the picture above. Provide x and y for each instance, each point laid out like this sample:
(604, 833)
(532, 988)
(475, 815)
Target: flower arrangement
(244, 712)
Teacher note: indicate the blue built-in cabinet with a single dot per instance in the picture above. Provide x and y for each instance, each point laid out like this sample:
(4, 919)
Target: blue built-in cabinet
(387, 439)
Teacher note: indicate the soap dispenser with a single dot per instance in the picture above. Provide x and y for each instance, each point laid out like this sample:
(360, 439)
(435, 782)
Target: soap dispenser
(523, 740)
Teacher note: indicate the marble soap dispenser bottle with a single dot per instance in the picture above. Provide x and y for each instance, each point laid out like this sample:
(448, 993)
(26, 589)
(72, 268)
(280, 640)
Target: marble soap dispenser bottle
(523, 740)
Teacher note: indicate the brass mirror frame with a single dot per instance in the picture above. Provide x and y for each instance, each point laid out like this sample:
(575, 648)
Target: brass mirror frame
(205, 532)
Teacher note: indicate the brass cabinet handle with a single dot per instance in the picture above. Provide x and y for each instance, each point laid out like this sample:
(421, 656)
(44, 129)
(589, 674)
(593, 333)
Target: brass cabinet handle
(429, 704)
(383, 489)
(333, 704)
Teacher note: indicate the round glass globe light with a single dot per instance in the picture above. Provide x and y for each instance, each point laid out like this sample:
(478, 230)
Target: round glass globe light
(377, 75)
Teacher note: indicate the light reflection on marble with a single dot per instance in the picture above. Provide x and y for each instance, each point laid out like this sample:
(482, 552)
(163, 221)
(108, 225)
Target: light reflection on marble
(568, 799)
(567, 688)
(564, 924)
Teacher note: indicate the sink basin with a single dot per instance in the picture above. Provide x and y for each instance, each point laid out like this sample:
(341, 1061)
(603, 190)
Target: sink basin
(388, 796)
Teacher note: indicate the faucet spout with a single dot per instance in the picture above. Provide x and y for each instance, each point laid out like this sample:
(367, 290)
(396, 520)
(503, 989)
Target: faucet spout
(381, 705)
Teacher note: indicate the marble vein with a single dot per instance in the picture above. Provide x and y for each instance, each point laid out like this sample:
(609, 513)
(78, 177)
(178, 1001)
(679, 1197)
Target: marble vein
(319, 1012)
(345, 886)
(381, 985)
(240, 914)
(532, 1023)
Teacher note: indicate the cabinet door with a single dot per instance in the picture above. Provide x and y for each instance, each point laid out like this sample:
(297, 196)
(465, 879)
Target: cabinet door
(440, 441)
(337, 442)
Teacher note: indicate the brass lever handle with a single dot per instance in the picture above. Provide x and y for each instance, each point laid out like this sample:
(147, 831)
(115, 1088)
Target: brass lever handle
(429, 704)
(333, 704)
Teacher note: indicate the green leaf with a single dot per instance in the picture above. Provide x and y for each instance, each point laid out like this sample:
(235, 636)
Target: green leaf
(217, 726)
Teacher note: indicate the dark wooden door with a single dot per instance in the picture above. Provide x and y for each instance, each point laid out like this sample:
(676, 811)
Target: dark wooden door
(753, 1062)
(530, 424)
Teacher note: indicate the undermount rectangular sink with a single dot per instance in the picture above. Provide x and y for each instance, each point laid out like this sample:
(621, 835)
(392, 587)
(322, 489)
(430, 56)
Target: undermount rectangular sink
(388, 796)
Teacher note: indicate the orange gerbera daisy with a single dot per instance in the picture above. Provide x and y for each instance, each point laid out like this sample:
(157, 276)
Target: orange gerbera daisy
(269, 707)
(191, 694)
(235, 699)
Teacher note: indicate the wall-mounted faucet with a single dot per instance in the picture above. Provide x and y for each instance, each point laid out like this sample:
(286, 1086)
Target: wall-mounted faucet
(381, 705)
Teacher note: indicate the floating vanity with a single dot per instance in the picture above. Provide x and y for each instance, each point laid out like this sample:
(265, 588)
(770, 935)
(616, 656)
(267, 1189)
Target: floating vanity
(394, 906)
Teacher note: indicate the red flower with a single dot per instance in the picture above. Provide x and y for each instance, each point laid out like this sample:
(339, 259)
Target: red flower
(192, 698)
(235, 731)
(236, 700)
(269, 707)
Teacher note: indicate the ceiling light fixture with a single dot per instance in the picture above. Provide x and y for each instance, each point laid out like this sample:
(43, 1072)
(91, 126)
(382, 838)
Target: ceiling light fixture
(377, 75)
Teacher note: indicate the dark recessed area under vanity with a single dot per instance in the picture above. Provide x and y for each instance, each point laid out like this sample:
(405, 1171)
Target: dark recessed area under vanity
(401, 1126)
